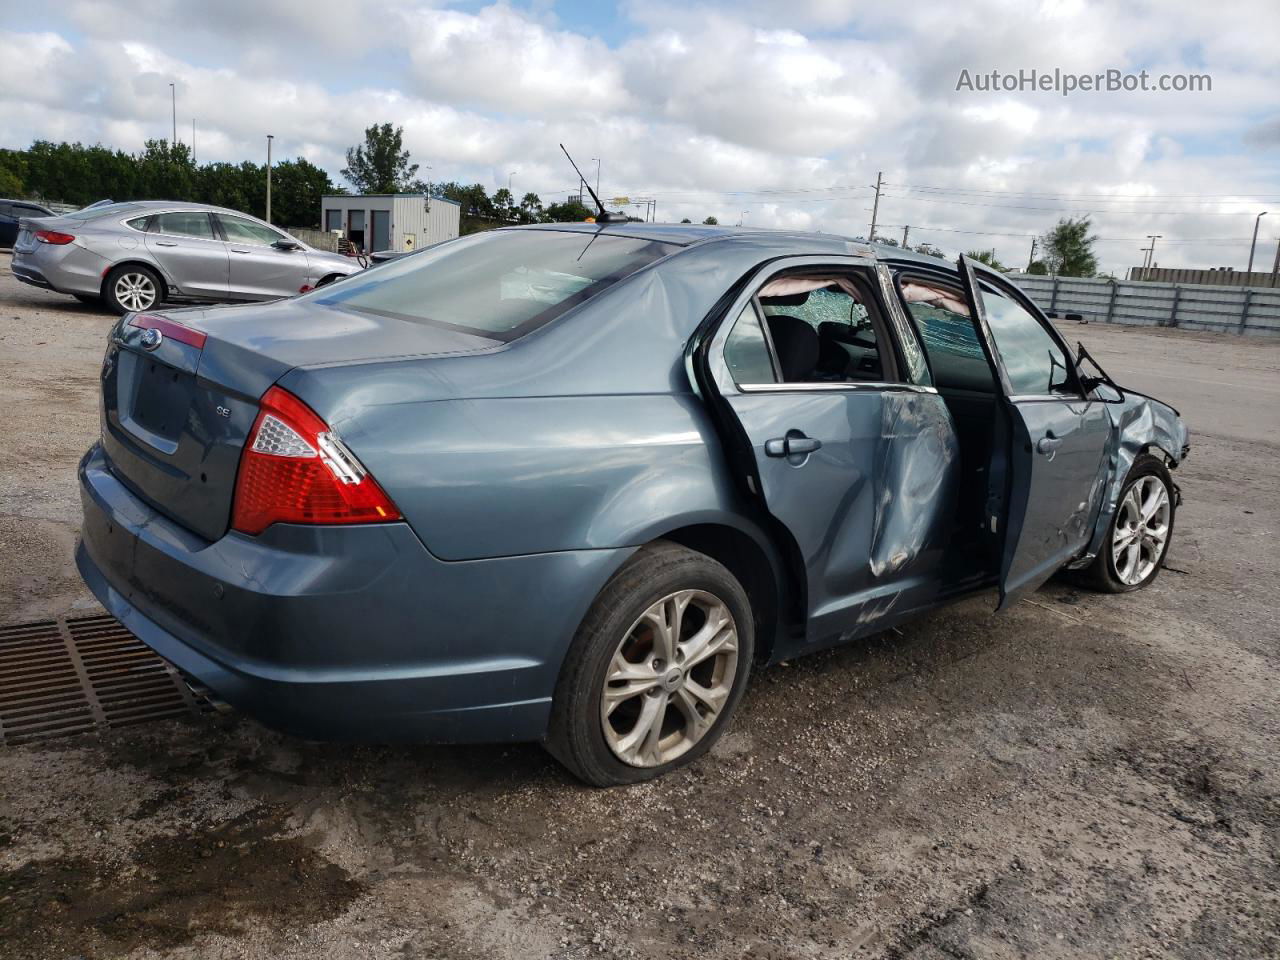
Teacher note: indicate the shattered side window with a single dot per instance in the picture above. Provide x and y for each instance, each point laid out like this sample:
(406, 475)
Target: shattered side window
(942, 317)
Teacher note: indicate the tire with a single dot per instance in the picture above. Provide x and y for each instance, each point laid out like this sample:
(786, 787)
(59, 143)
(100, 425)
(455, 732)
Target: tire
(1109, 575)
(661, 582)
(126, 287)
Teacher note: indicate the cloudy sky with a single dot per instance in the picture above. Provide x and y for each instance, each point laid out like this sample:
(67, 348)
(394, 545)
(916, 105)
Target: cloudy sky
(775, 114)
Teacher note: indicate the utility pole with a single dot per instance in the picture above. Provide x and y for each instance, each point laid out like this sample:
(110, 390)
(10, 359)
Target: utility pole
(270, 137)
(875, 207)
(1031, 258)
(905, 228)
(193, 141)
(1151, 253)
(173, 96)
(1256, 221)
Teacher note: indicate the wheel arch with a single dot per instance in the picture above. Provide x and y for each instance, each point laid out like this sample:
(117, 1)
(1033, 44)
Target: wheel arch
(136, 262)
(757, 563)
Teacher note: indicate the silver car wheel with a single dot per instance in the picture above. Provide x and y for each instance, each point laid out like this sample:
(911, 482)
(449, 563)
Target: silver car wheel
(135, 291)
(669, 678)
(1141, 531)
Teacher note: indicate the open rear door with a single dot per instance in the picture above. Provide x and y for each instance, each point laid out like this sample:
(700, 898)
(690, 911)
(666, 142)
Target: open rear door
(1047, 456)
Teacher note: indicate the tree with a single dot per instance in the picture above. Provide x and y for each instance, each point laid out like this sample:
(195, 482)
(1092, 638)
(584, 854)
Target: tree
(686, 220)
(570, 211)
(1037, 268)
(165, 171)
(988, 257)
(1068, 248)
(504, 204)
(380, 164)
(296, 189)
(530, 208)
(711, 221)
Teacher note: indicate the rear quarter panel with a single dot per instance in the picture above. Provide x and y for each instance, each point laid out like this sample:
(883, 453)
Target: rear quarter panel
(502, 476)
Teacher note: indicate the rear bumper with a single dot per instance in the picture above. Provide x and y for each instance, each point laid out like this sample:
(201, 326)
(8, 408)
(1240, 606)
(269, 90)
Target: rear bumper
(30, 275)
(350, 633)
(68, 268)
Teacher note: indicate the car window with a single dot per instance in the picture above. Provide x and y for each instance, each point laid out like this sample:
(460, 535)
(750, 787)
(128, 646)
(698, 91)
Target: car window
(942, 317)
(5, 209)
(823, 334)
(746, 352)
(1033, 361)
(138, 223)
(500, 284)
(185, 223)
(240, 230)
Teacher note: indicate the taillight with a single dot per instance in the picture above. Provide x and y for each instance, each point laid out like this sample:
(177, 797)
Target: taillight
(54, 237)
(296, 470)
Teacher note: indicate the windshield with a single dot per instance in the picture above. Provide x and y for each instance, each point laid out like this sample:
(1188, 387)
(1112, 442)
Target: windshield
(499, 284)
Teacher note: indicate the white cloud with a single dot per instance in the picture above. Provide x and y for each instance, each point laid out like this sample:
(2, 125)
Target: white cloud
(784, 112)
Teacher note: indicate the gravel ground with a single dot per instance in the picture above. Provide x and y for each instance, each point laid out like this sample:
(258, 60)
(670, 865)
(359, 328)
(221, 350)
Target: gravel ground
(1083, 776)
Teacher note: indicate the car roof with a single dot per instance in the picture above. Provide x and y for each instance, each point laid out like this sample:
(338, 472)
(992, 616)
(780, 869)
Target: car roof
(176, 205)
(688, 234)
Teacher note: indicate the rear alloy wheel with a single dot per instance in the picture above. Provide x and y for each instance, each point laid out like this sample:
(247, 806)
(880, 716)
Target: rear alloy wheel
(1141, 529)
(132, 289)
(669, 678)
(656, 669)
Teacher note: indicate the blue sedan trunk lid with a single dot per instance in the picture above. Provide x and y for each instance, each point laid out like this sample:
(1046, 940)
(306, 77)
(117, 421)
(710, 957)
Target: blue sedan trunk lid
(176, 417)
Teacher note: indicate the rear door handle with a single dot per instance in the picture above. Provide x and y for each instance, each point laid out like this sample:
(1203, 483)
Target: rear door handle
(1048, 445)
(165, 243)
(234, 250)
(794, 444)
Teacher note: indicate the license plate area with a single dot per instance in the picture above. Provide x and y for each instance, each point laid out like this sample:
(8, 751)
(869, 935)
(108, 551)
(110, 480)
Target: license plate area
(157, 408)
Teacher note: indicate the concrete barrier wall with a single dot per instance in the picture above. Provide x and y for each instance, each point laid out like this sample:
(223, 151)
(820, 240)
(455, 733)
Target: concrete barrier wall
(1251, 310)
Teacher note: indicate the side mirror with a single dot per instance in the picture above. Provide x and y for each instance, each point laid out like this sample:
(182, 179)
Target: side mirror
(287, 245)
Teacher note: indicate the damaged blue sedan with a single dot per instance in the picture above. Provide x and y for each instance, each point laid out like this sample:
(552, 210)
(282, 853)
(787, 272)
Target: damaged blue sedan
(570, 483)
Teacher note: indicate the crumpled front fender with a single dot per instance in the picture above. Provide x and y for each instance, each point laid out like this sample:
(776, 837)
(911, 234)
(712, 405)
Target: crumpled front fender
(1139, 424)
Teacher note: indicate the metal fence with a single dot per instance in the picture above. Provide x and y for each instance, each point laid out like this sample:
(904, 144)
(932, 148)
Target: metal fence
(1251, 310)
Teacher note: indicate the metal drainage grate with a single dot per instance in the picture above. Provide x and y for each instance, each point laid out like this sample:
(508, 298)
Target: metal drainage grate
(63, 677)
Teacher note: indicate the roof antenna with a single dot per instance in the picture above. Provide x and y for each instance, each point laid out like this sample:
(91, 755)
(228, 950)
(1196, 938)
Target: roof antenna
(603, 215)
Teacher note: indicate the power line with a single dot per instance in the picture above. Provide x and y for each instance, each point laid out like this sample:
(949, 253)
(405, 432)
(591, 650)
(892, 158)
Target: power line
(1087, 196)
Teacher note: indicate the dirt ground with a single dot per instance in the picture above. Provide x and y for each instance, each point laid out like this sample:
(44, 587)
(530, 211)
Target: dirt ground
(1083, 776)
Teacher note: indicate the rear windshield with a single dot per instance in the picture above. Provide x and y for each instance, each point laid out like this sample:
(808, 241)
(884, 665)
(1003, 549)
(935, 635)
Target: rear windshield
(500, 284)
(107, 209)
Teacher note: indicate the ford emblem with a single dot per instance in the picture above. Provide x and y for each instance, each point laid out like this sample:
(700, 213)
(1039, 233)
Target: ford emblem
(151, 339)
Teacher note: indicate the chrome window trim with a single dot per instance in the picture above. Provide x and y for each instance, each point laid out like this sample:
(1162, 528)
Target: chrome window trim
(844, 386)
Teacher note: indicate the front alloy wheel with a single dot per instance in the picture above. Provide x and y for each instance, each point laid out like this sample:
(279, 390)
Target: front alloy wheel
(669, 678)
(1141, 530)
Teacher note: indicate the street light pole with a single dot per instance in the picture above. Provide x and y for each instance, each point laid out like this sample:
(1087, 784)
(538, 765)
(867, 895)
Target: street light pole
(173, 97)
(509, 176)
(597, 160)
(270, 137)
(1254, 243)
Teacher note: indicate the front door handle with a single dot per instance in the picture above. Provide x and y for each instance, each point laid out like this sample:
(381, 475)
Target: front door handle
(1048, 445)
(234, 250)
(794, 444)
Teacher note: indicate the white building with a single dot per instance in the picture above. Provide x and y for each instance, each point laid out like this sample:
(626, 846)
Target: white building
(391, 221)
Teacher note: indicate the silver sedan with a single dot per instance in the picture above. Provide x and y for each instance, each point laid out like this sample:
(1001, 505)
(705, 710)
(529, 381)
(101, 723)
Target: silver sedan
(134, 256)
